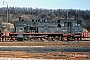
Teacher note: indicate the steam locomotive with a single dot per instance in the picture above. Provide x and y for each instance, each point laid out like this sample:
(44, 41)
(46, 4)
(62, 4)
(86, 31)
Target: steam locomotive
(46, 30)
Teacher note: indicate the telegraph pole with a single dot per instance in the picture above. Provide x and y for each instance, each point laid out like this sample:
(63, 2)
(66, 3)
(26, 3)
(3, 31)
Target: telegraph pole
(6, 9)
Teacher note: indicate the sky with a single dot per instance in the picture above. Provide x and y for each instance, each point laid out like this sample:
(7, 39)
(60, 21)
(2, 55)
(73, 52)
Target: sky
(48, 4)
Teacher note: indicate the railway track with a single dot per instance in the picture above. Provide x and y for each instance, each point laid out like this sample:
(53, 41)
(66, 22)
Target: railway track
(60, 43)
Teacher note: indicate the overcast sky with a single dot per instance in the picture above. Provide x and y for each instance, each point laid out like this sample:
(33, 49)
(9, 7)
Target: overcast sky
(49, 4)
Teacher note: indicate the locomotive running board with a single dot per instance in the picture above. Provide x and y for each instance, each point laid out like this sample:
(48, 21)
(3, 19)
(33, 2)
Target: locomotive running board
(34, 33)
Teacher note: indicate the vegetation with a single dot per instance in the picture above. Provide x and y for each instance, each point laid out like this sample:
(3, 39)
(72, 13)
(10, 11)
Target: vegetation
(49, 14)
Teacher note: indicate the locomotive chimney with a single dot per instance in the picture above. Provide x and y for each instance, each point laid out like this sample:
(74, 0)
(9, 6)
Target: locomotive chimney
(19, 18)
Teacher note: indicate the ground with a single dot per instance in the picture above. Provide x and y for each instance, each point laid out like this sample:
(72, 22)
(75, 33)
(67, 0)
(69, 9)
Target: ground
(49, 55)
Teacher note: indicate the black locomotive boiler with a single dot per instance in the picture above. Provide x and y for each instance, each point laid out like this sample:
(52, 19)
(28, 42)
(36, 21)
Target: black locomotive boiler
(45, 30)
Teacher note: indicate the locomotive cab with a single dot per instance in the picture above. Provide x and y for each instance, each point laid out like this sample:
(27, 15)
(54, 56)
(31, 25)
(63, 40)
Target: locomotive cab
(70, 26)
(66, 26)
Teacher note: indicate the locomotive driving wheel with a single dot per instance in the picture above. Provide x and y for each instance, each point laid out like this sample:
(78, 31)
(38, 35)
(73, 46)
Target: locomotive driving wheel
(12, 38)
(55, 38)
(50, 38)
